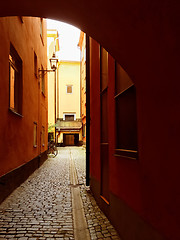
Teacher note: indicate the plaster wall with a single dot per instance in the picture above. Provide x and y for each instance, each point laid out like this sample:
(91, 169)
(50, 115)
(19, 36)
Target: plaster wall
(52, 35)
(82, 45)
(143, 185)
(69, 74)
(17, 132)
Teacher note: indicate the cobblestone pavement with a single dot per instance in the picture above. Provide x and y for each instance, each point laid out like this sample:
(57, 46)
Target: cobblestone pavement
(98, 224)
(41, 208)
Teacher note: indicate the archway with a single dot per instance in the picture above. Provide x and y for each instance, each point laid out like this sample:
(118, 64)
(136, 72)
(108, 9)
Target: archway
(144, 38)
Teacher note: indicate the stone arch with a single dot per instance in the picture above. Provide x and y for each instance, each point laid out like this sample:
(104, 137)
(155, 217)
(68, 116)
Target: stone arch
(137, 34)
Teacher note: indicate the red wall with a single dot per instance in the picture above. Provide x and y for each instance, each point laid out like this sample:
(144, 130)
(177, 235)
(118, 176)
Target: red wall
(143, 36)
(95, 110)
(149, 185)
(16, 133)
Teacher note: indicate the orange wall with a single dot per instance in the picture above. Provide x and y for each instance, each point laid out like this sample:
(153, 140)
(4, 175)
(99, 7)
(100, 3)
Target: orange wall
(16, 133)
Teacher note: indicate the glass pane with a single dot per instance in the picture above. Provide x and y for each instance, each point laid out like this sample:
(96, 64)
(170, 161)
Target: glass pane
(35, 134)
(122, 80)
(69, 89)
(126, 120)
(69, 117)
(12, 87)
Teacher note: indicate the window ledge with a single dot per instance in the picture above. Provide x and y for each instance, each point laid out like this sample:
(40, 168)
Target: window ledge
(16, 113)
(130, 154)
(104, 199)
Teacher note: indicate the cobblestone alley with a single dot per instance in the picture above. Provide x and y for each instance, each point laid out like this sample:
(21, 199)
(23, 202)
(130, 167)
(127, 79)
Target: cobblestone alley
(41, 208)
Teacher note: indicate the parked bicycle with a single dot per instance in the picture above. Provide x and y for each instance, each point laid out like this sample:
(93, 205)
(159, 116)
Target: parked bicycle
(52, 149)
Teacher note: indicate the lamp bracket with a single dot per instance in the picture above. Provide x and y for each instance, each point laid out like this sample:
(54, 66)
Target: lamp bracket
(42, 72)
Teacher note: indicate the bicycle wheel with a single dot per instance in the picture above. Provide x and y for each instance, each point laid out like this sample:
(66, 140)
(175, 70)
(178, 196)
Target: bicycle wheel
(55, 151)
(51, 153)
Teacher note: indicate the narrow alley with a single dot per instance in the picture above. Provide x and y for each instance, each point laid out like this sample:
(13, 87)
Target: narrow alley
(42, 207)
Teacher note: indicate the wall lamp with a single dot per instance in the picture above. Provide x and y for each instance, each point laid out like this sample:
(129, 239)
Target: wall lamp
(53, 63)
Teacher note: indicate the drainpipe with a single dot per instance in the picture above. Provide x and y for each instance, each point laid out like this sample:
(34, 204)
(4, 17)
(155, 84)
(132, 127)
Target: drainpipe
(55, 102)
(87, 112)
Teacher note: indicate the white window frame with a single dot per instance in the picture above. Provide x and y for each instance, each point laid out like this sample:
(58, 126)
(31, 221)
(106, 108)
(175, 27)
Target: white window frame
(69, 85)
(64, 115)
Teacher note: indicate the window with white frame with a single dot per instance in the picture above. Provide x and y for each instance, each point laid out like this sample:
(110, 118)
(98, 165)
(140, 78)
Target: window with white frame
(69, 116)
(69, 89)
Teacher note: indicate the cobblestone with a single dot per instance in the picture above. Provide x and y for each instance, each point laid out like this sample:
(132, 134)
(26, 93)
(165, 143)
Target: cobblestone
(96, 220)
(41, 208)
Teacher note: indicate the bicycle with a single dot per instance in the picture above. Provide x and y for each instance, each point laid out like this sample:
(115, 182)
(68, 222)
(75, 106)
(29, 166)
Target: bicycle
(52, 149)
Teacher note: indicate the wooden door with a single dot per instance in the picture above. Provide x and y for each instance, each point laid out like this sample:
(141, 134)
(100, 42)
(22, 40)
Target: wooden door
(68, 139)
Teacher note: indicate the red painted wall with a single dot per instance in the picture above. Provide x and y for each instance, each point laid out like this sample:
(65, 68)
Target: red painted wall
(95, 110)
(143, 36)
(149, 185)
(16, 133)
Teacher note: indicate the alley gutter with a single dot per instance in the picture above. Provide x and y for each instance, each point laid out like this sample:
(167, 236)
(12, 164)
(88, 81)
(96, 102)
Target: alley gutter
(81, 231)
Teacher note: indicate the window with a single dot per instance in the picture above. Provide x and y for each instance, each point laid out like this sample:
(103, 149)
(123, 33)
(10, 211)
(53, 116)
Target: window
(69, 116)
(84, 130)
(41, 28)
(69, 89)
(43, 135)
(50, 136)
(126, 120)
(42, 81)
(35, 65)
(35, 135)
(15, 81)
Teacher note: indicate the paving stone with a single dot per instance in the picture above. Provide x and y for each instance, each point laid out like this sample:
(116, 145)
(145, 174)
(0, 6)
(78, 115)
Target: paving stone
(41, 208)
(96, 220)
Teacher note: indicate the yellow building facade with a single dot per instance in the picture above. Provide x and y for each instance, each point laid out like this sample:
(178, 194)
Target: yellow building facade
(69, 122)
(52, 47)
(82, 45)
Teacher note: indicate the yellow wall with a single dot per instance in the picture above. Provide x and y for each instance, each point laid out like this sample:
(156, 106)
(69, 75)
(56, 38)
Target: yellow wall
(83, 77)
(69, 74)
(52, 35)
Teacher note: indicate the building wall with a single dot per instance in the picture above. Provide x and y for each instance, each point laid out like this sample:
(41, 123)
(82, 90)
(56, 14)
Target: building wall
(52, 46)
(69, 103)
(133, 213)
(17, 132)
(82, 45)
(69, 74)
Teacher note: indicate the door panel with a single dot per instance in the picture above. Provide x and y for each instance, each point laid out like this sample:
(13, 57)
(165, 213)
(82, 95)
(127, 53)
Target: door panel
(104, 126)
(105, 171)
(68, 139)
